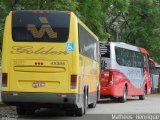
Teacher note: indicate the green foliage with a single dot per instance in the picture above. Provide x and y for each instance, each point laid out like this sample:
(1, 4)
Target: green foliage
(93, 16)
(132, 21)
(3, 14)
(143, 27)
(135, 22)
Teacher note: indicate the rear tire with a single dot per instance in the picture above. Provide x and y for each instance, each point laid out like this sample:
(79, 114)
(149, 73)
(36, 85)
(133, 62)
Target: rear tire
(123, 99)
(30, 111)
(92, 105)
(21, 110)
(98, 95)
(82, 111)
(70, 113)
(142, 97)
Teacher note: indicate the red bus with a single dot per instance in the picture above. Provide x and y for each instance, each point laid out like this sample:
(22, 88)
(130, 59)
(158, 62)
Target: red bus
(124, 71)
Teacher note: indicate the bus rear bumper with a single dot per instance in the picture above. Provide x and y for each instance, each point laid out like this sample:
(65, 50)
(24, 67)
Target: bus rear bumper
(14, 98)
(107, 91)
(110, 91)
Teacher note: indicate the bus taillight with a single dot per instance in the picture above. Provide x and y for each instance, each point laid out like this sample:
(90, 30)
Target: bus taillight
(73, 82)
(4, 79)
(107, 77)
(111, 78)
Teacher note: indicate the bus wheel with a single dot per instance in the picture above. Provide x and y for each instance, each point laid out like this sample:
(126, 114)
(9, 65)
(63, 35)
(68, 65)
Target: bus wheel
(21, 110)
(70, 112)
(82, 111)
(123, 99)
(93, 105)
(30, 111)
(142, 97)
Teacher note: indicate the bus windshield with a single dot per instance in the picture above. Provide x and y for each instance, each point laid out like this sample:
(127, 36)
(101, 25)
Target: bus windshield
(37, 26)
(105, 50)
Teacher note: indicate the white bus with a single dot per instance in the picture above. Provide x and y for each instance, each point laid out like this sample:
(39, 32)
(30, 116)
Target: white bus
(124, 71)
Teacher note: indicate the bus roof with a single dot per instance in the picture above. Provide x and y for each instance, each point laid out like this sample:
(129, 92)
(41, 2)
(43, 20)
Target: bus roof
(122, 45)
(127, 46)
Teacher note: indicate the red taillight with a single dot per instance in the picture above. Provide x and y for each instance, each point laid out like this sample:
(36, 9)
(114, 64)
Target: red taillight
(107, 77)
(34, 12)
(111, 78)
(73, 81)
(4, 79)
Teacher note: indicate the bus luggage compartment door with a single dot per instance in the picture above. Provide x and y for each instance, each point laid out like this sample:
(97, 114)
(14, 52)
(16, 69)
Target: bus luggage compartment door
(39, 76)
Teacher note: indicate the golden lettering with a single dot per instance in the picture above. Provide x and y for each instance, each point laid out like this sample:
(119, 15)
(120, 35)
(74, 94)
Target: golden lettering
(40, 51)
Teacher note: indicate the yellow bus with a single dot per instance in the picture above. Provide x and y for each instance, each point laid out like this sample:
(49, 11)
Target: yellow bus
(49, 59)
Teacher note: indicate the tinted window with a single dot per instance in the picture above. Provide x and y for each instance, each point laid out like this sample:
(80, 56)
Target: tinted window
(125, 57)
(105, 50)
(47, 27)
(88, 45)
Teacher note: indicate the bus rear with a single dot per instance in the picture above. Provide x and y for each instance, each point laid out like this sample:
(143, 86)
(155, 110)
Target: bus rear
(38, 58)
(106, 74)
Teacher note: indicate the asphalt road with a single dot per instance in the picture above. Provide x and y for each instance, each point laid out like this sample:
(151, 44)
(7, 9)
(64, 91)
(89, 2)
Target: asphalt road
(133, 106)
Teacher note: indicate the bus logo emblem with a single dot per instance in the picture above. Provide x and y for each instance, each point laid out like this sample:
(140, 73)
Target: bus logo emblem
(70, 46)
(45, 28)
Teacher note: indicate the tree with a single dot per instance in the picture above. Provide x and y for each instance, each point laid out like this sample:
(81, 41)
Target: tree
(115, 10)
(143, 25)
(94, 17)
(132, 21)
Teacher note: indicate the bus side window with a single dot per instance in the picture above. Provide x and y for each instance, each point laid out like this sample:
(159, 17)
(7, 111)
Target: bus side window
(119, 56)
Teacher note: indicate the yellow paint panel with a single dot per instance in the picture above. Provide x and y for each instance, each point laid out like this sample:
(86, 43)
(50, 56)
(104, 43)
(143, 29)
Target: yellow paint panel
(28, 84)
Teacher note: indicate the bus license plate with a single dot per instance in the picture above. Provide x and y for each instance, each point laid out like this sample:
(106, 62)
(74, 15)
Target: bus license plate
(38, 84)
